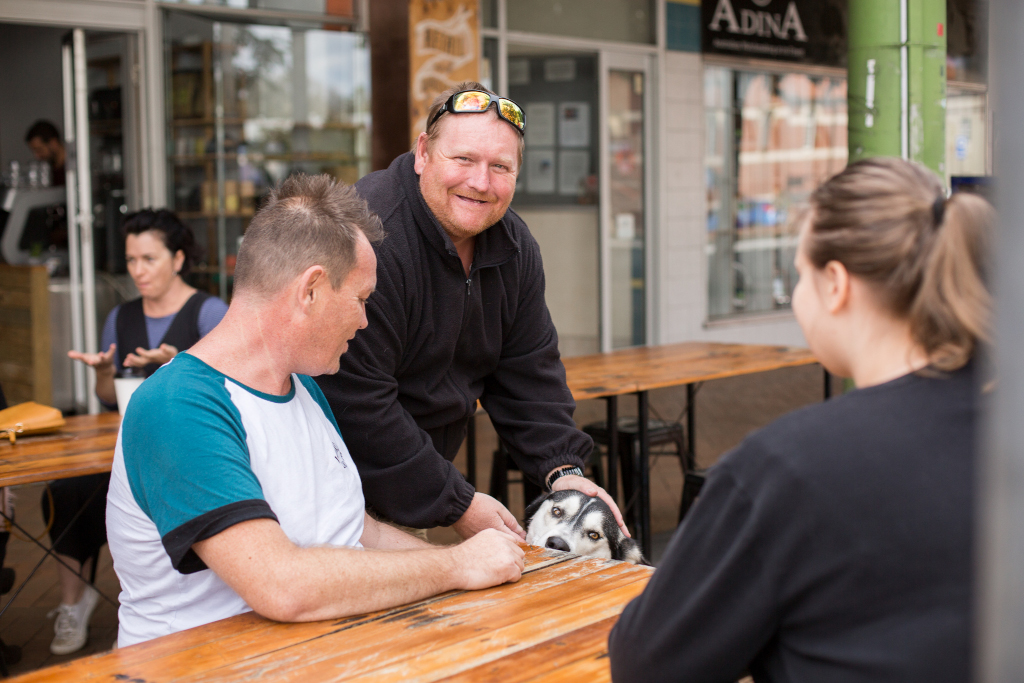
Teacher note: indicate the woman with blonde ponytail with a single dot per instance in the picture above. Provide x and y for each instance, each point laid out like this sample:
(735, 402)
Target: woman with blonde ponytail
(835, 544)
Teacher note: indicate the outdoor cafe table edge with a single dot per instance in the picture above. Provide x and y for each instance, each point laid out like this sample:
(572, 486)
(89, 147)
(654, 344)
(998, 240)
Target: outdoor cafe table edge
(552, 625)
(84, 445)
(643, 368)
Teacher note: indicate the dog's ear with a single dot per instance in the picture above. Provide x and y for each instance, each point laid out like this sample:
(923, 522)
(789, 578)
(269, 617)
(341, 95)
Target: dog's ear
(532, 508)
(629, 550)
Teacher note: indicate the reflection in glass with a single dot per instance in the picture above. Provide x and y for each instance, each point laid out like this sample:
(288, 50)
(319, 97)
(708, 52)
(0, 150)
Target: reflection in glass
(489, 13)
(771, 139)
(630, 21)
(251, 105)
(333, 8)
(966, 133)
(489, 64)
(626, 176)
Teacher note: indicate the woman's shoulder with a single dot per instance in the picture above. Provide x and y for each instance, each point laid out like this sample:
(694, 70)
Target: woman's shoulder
(919, 411)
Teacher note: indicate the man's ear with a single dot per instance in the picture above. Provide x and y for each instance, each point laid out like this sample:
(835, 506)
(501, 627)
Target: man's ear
(835, 281)
(309, 284)
(421, 153)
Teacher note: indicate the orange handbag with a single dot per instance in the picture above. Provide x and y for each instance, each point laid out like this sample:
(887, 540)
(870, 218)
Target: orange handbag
(29, 418)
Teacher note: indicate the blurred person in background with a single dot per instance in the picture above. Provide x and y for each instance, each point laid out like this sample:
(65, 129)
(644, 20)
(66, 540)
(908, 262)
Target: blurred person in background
(139, 336)
(46, 144)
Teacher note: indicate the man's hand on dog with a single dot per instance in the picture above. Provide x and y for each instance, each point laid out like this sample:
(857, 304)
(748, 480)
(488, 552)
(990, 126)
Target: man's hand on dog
(487, 513)
(487, 559)
(572, 481)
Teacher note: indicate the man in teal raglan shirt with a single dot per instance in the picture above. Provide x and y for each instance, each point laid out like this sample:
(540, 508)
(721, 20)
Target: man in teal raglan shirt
(232, 488)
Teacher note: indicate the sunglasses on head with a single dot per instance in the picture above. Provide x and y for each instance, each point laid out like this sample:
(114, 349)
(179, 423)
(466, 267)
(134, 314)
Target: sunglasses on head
(477, 101)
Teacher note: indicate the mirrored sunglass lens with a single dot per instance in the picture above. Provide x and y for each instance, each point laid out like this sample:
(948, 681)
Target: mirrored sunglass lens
(511, 111)
(472, 101)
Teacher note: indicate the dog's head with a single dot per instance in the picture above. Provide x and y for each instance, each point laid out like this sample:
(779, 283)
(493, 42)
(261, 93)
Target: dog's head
(574, 522)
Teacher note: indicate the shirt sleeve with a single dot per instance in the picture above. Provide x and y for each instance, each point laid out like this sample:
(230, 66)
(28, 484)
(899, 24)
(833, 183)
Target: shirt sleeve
(711, 605)
(187, 463)
(526, 396)
(210, 314)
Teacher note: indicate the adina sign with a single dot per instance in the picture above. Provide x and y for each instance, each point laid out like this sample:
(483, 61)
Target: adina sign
(809, 31)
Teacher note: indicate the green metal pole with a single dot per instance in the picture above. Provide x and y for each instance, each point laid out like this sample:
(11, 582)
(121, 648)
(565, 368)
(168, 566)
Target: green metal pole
(897, 80)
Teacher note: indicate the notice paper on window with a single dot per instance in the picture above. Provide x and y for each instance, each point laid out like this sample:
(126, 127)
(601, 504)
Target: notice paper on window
(540, 171)
(573, 169)
(574, 124)
(541, 129)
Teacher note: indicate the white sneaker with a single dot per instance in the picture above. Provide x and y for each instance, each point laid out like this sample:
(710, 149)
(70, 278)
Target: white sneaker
(72, 625)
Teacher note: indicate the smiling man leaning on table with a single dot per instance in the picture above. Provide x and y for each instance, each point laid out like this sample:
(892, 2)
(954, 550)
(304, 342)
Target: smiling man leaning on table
(232, 488)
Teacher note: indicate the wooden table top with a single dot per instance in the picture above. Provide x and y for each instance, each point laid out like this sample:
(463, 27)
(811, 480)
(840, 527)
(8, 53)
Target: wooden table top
(84, 445)
(644, 368)
(552, 625)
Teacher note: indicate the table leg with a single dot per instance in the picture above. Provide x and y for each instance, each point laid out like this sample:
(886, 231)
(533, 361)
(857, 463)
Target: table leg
(49, 551)
(644, 472)
(691, 423)
(471, 451)
(612, 420)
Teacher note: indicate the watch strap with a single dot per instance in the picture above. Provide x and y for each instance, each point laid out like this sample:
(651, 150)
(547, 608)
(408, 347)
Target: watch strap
(558, 474)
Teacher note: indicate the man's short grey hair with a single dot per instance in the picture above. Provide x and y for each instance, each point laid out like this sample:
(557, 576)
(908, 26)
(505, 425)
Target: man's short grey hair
(306, 221)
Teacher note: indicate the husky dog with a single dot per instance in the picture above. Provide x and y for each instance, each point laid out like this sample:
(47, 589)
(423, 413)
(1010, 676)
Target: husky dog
(574, 522)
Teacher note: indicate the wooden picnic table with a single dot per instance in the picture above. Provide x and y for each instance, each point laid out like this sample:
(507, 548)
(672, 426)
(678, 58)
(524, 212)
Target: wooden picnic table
(552, 625)
(640, 369)
(84, 445)
(643, 368)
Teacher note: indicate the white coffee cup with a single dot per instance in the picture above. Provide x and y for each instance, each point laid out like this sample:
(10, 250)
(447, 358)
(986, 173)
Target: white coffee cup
(124, 387)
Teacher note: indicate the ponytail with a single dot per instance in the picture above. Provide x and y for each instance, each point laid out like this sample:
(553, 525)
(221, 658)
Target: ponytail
(952, 310)
(887, 222)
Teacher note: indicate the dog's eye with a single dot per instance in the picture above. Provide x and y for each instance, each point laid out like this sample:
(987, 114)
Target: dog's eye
(594, 536)
(556, 512)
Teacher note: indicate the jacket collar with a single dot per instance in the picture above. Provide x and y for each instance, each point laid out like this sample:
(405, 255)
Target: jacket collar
(494, 246)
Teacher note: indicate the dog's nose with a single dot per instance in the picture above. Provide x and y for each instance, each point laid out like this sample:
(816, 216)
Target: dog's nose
(558, 544)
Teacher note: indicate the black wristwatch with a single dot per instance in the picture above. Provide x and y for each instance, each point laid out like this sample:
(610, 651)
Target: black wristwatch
(557, 474)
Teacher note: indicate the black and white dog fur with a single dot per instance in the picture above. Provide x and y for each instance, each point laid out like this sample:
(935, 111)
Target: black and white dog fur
(574, 522)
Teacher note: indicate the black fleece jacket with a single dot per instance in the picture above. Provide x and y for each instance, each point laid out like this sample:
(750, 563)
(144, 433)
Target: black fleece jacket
(436, 342)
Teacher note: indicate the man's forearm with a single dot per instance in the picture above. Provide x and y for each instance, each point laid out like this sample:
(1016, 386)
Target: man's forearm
(380, 536)
(307, 584)
(339, 582)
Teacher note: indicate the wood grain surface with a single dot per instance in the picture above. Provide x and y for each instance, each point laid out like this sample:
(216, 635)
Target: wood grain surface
(653, 367)
(555, 619)
(84, 445)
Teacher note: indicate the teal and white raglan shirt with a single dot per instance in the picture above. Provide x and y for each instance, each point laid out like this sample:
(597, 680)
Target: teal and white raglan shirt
(198, 453)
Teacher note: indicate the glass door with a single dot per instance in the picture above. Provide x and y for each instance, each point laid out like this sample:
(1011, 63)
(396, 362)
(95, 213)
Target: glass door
(100, 139)
(625, 199)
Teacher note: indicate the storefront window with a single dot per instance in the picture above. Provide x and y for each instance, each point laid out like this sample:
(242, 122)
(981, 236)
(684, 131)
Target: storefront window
(334, 8)
(248, 106)
(489, 13)
(966, 133)
(966, 44)
(771, 139)
(630, 21)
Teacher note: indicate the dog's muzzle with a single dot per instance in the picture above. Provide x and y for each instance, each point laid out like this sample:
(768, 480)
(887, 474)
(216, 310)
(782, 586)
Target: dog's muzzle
(557, 544)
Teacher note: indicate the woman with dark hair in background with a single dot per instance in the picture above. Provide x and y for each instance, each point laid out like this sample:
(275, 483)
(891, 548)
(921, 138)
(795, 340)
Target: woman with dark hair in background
(139, 336)
(836, 543)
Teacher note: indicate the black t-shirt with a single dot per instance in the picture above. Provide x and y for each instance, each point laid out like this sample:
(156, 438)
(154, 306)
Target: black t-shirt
(833, 545)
